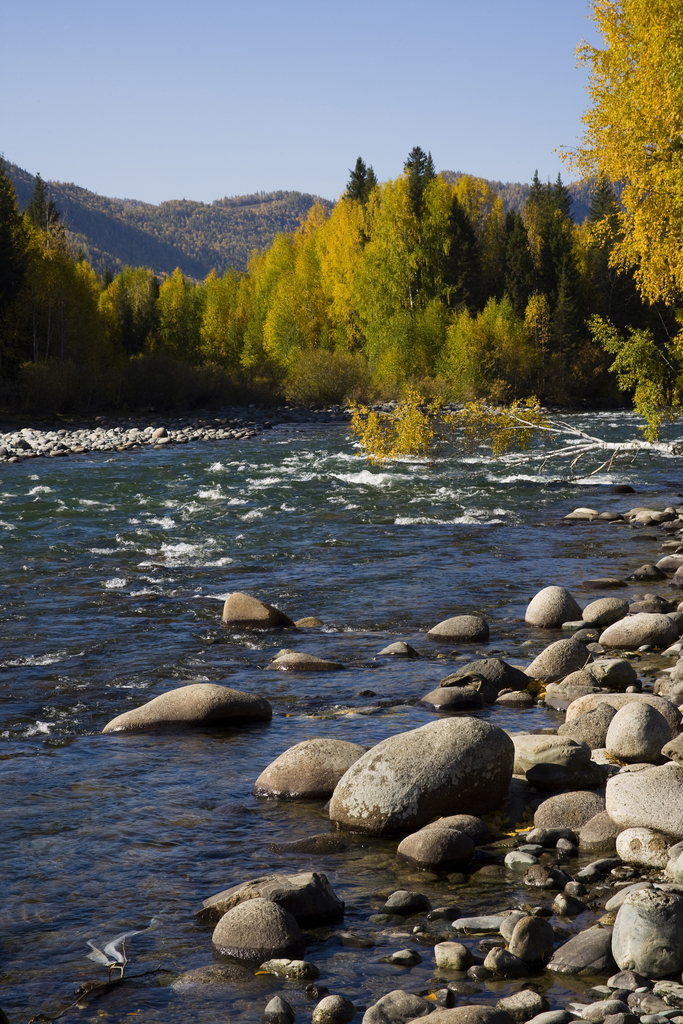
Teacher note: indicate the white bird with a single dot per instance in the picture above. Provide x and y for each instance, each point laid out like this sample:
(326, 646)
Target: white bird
(114, 955)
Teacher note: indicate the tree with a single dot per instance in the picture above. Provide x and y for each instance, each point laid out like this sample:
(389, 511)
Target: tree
(13, 263)
(42, 213)
(362, 180)
(633, 135)
(519, 266)
(419, 168)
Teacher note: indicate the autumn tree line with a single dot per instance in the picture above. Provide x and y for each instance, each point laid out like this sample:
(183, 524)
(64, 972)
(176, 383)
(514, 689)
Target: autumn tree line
(413, 282)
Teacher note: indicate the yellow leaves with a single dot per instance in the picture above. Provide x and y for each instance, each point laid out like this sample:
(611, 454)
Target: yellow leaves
(503, 428)
(408, 432)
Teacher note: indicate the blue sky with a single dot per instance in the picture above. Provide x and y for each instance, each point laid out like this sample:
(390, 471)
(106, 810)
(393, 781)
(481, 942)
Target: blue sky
(155, 101)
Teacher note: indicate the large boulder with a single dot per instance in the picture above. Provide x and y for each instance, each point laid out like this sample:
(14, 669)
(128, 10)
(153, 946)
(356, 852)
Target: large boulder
(648, 933)
(642, 628)
(197, 704)
(558, 660)
(460, 629)
(437, 847)
(651, 798)
(637, 733)
(612, 673)
(307, 771)
(258, 930)
(397, 1007)
(533, 939)
(452, 698)
(599, 833)
(453, 766)
(308, 897)
(551, 607)
(495, 670)
(618, 700)
(568, 810)
(555, 762)
(605, 611)
(590, 728)
(643, 847)
(246, 612)
(472, 1014)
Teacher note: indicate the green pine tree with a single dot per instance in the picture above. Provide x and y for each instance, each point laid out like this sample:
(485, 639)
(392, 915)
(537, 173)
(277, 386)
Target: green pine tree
(420, 169)
(519, 265)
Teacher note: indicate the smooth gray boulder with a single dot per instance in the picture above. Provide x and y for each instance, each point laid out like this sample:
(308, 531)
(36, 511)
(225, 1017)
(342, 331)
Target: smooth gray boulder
(589, 728)
(599, 833)
(246, 612)
(612, 673)
(474, 827)
(453, 766)
(453, 698)
(258, 930)
(598, 1011)
(588, 953)
(552, 1017)
(192, 706)
(307, 771)
(651, 798)
(618, 700)
(308, 897)
(605, 611)
(558, 660)
(523, 1005)
(555, 762)
(637, 734)
(495, 670)
(438, 848)
(643, 847)
(473, 1014)
(533, 939)
(334, 1010)
(399, 649)
(648, 933)
(674, 749)
(278, 1011)
(405, 902)
(504, 964)
(452, 956)
(642, 628)
(460, 628)
(300, 661)
(568, 810)
(551, 607)
(397, 1007)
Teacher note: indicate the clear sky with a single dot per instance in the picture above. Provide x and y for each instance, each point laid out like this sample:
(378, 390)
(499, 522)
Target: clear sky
(149, 100)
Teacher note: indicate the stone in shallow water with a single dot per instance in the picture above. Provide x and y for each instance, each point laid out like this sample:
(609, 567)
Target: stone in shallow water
(278, 1011)
(247, 612)
(403, 901)
(198, 704)
(551, 607)
(334, 1010)
(258, 930)
(452, 956)
(307, 771)
(637, 733)
(558, 660)
(400, 649)
(524, 1005)
(651, 798)
(439, 848)
(648, 933)
(589, 952)
(308, 896)
(460, 628)
(397, 1007)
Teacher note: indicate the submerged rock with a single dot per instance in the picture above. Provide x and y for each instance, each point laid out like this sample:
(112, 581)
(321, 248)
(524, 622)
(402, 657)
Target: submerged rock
(300, 661)
(307, 771)
(197, 704)
(456, 765)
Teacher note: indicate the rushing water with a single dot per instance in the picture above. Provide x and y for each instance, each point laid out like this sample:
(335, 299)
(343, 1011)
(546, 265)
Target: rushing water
(112, 575)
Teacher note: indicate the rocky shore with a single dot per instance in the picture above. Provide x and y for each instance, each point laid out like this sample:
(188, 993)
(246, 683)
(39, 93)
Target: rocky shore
(588, 818)
(137, 433)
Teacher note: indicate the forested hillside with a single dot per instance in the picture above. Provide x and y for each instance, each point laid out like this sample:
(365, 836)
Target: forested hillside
(197, 237)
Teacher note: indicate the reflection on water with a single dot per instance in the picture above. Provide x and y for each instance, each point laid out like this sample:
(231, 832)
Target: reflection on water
(112, 574)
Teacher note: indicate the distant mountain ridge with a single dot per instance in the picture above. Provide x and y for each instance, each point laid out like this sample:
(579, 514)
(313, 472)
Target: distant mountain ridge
(199, 237)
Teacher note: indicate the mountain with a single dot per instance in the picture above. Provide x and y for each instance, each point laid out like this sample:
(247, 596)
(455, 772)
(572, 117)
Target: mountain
(180, 233)
(199, 237)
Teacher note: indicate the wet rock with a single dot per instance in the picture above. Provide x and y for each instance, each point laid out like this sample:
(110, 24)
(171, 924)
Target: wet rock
(293, 970)
(406, 902)
(540, 876)
(599, 833)
(555, 762)
(299, 661)
(652, 603)
(397, 1007)
(455, 765)
(551, 607)
(567, 906)
(674, 749)
(523, 1005)
(474, 827)
(552, 1017)
(583, 513)
(613, 673)
(614, 902)
(550, 837)
(651, 798)
(334, 1010)
(403, 958)
(628, 980)
(455, 698)
(644, 847)
(452, 956)
(515, 699)
(508, 923)
(439, 848)
(400, 649)
(447, 913)
(503, 964)
(308, 896)
(278, 1011)
(198, 704)
(642, 628)
(461, 628)
(532, 940)
(308, 622)
(618, 700)
(588, 953)
(215, 975)
(637, 733)
(571, 810)
(591, 727)
(670, 563)
(258, 930)
(483, 923)
(323, 842)
(646, 572)
(605, 611)
(558, 660)
(519, 861)
(471, 1015)
(494, 670)
(308, 771)
(648, 933)
(246, 612)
